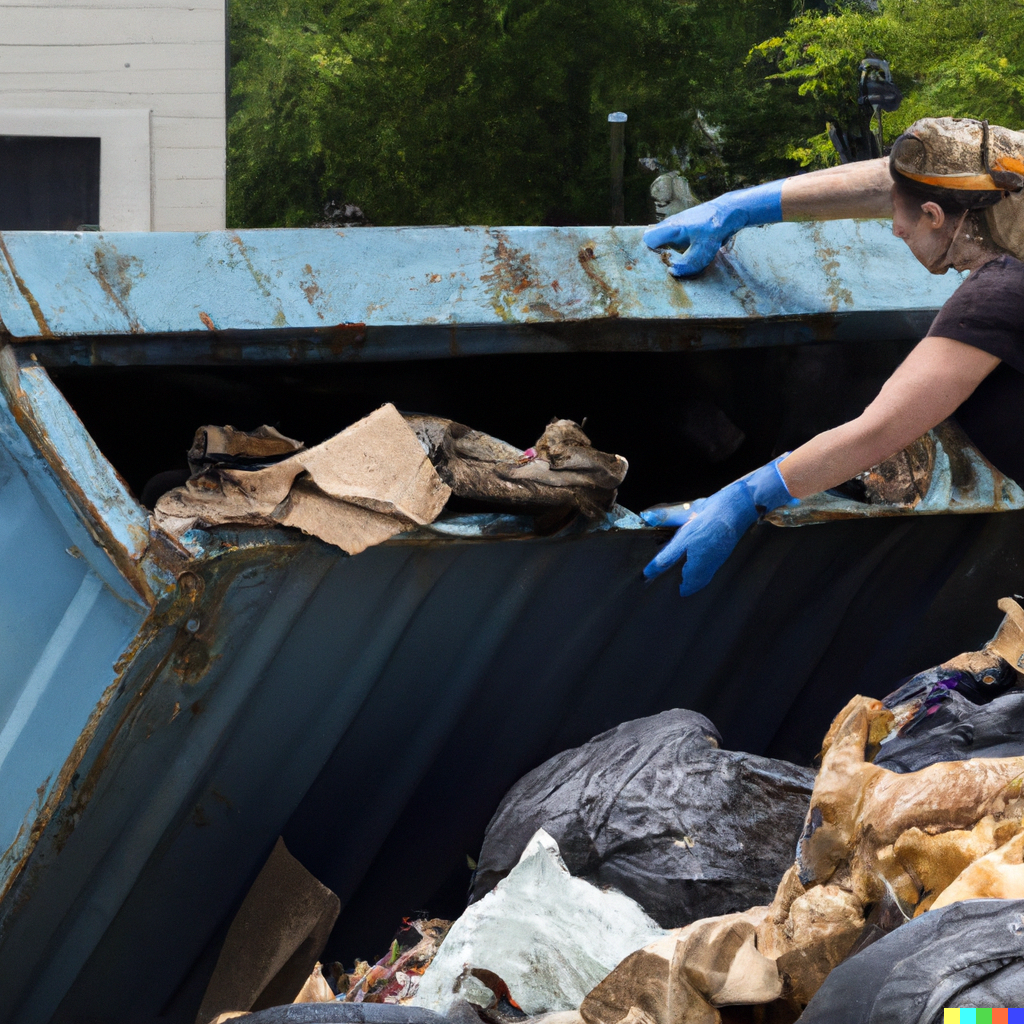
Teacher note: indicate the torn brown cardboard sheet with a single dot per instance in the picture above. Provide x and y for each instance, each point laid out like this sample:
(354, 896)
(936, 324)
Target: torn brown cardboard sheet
(273, 943)
(357, 489)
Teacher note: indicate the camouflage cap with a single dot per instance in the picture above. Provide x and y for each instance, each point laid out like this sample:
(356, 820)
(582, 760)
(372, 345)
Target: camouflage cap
(960, 154)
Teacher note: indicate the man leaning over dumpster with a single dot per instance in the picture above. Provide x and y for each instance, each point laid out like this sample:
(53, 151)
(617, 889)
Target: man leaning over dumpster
(953, 187)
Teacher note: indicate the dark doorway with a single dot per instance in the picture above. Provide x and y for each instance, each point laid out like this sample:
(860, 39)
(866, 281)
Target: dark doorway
(50, 183)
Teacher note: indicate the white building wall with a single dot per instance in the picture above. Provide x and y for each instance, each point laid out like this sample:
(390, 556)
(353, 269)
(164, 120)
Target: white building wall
(67, 67)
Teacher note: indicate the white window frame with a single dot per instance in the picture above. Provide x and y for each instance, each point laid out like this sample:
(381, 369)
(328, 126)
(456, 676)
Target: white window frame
(126, 191)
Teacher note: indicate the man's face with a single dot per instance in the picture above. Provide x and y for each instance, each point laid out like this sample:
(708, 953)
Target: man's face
(925, 228)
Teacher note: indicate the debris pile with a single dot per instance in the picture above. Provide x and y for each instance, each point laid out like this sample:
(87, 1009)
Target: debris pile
(383, 475)
(879, 848)
(906, 894)
(394, 978)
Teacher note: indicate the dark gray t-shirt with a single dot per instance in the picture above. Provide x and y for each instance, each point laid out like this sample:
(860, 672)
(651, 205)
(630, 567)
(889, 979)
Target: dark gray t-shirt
(987, 311)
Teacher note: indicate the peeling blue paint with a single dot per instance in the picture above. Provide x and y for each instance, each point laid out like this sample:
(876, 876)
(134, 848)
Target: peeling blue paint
(398, 293)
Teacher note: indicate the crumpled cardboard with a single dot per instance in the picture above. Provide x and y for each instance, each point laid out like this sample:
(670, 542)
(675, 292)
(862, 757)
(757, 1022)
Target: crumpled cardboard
(357, 489)
(684, 976)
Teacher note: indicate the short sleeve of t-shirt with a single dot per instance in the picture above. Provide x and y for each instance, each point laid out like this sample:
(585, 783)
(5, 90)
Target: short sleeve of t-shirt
(987, 311)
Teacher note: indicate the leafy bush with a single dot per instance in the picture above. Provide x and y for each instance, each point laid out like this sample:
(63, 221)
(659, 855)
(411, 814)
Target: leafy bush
(956, 58)
(494, 111)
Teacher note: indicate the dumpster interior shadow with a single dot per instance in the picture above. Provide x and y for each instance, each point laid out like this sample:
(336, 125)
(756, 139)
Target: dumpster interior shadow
(687, 422)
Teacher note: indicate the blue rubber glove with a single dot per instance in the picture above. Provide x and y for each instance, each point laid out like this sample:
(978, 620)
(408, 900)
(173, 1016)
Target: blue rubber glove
(710, 528)
(705, 228)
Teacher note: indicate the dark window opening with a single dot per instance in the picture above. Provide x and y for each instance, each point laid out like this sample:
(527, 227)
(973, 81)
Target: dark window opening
(50, 183)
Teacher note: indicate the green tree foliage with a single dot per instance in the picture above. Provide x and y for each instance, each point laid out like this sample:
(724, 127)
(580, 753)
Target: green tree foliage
(959, 58)
(494, 111)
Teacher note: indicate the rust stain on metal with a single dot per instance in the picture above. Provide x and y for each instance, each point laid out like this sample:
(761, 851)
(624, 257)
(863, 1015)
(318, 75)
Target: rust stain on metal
(261, 279)
(746, 296)
(342, 338)
(311, 289)
(829, 258)
(179, 604)
(191, 656)
(513, 273)
(207, 321)
(677, 291)
(116, 275)
(37, 313)
(587, 258)
(678, 295)
(545, 309)
(199, 594)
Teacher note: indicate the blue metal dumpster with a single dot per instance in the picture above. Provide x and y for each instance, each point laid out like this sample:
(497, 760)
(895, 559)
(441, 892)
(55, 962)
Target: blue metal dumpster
(167, 710)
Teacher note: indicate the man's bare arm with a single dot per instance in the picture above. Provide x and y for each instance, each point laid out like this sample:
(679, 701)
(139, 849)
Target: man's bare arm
(937, 376)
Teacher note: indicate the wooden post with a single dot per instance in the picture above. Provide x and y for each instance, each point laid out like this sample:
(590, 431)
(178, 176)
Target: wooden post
(617, 199)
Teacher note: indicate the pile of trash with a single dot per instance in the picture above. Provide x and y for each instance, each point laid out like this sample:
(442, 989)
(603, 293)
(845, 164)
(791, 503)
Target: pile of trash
(650, 875)
(395, 977)
(383, 475)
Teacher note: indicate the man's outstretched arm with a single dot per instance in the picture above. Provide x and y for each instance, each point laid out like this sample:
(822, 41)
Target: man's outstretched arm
(851, 190)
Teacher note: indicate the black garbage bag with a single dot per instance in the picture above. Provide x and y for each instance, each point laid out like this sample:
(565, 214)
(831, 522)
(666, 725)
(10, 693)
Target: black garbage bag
(954, 714)
(969, 706)
(655, 809)
(958, 730)
(966, 954)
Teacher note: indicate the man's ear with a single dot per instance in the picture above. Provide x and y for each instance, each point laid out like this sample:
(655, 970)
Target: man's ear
(935, 213)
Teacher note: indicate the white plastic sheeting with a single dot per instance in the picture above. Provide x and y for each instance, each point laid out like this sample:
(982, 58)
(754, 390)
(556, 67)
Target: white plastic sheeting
(550, 937)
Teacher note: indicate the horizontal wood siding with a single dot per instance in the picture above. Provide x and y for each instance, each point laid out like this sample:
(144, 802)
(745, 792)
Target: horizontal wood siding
(158, 55)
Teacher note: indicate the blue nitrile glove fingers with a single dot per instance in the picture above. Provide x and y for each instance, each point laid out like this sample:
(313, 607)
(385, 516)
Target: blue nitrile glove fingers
(710, 543)
(673, 515)
(703, 229)
(699, 255)
(722, 519)
(715, 525)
